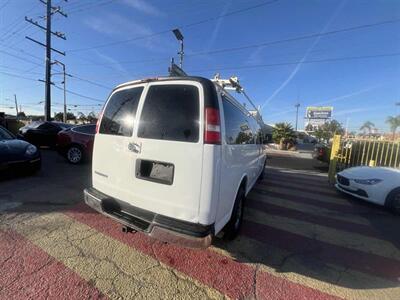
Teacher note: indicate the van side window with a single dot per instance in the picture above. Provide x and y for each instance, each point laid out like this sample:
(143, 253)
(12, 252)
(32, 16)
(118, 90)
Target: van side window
(120, 113)
(237, 126)
(171, 112)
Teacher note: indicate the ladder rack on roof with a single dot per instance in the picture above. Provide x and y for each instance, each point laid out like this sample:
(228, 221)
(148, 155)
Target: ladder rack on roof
(233, 84)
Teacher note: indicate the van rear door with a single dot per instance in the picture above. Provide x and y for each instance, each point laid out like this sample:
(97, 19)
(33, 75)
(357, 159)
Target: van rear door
(167, 177)
(157, 166)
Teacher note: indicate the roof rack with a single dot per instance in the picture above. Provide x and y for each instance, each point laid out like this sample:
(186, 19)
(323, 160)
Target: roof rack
(233, 84)
(175, 70)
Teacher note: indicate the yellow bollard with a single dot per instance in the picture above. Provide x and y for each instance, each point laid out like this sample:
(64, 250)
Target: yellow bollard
(333, 158)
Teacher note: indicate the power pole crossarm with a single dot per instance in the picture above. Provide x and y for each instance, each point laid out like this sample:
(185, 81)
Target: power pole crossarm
(57, 34)
(50, 10)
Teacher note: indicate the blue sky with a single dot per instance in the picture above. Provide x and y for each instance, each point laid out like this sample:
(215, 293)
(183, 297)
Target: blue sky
(276, 76)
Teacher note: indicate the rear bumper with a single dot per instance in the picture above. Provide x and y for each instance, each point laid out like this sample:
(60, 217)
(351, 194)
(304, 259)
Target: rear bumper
(157, 226)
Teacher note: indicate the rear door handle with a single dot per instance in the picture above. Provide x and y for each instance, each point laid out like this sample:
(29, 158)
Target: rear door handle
(134, 147)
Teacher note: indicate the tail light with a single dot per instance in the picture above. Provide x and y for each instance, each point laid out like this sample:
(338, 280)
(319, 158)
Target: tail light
(212, 126)
(98, 122)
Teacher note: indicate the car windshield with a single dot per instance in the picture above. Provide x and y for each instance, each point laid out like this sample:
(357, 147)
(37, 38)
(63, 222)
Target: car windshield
(5, 135)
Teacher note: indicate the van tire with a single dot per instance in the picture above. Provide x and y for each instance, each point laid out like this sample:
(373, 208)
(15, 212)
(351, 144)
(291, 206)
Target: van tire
(232, 228)
(393, 201)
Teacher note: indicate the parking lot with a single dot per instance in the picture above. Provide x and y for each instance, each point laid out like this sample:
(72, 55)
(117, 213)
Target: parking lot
(300, 240)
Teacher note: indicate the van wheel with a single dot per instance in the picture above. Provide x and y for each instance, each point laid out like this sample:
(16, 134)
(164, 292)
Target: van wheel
(232, 228)
(74, 154)
(393, 201)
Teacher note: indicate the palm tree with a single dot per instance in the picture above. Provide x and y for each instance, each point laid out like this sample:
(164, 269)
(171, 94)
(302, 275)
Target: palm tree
(283, 133)
(367, 126)
(394, 123)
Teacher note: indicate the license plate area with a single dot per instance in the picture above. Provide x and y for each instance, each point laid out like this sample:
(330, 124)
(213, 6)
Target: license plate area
(155, 171)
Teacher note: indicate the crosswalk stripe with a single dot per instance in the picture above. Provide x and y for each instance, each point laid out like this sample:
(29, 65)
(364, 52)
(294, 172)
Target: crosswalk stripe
(339, 208)
(284, 212)
(289, 191)
(308, 209)
(366, 244)
(328, 253)
(232, 278)
(289, 184)
(115, 269)
(28, 272)
(333, 279)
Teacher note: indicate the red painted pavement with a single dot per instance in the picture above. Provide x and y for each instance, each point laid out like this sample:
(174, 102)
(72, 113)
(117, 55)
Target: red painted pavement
(230, 277)
(27, 272)
(329, 253)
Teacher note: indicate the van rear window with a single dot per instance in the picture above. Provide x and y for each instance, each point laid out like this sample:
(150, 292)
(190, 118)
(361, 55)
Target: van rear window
(171, 112)
(120, 112)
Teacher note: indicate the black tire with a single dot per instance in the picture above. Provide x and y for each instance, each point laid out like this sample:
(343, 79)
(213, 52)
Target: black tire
(393, 201)
(74, 154)
(233, 227)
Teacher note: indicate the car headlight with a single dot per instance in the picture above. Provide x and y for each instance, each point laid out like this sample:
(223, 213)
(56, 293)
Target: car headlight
(30, 150)
(368, 181)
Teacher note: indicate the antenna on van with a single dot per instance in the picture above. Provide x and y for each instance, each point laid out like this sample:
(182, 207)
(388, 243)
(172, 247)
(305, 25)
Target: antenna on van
(233, 84)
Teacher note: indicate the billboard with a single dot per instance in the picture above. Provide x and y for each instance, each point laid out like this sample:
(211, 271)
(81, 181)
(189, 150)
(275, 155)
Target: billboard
(319, 112)
(317, 116)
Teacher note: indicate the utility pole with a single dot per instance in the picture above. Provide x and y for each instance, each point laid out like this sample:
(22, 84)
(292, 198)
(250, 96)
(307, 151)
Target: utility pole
(50, 10)
(65, 91)
(16, 104)
(297, 113)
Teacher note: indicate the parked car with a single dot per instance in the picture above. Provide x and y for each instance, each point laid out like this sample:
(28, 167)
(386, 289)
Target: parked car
(175, 158)
(76, 143)
(42, 133)
(17, 155)
(322, 152)
(378, 185)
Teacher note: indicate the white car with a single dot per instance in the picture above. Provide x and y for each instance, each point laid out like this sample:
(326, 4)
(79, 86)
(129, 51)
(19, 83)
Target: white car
(378, 185)
(175, 157)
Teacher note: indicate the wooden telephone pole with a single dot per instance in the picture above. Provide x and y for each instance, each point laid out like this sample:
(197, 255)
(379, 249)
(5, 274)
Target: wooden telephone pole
(50, 10)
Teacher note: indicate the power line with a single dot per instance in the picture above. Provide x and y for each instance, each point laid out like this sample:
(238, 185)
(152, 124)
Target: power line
(80, 95)
(298, 38)
(297, 62)
(270, 43)
(169, 29)
(91, 82)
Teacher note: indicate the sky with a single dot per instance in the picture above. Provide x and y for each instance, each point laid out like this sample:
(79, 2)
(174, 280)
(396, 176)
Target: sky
(344, 54)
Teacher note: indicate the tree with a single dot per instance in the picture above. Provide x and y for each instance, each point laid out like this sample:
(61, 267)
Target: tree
(328, 130)
(21, 115)
(82, 117)
(283, 134)
(367, 127)
(60, 116)
(394, 123)
(309, 127)
(91, 117)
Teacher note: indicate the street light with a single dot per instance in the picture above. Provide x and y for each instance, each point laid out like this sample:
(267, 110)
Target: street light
(297, 113)
(179, 37)
(65, 95)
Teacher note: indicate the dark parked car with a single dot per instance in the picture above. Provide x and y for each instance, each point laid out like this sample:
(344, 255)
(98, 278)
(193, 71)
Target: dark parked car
(42, 133)
(17, 155)
(76, 143)
(322, 152)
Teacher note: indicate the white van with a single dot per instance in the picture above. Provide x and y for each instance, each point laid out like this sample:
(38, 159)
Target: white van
(174, 157)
